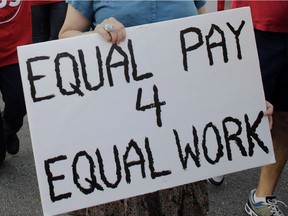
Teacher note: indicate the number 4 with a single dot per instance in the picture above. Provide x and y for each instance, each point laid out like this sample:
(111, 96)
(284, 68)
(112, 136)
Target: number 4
(157, 104)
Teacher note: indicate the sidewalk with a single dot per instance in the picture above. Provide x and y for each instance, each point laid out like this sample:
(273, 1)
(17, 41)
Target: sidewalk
(229, 198)
(20, 194)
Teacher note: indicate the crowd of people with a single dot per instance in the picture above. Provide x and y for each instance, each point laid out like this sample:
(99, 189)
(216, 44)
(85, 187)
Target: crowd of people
(25, 22)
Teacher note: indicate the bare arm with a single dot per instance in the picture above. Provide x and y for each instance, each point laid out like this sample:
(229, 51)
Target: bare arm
(202, 10)
(76, 24)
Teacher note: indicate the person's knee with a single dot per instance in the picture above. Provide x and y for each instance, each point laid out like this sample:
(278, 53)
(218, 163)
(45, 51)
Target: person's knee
(280, 135)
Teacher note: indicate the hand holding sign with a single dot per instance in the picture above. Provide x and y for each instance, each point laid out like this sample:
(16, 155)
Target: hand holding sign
(165, 112)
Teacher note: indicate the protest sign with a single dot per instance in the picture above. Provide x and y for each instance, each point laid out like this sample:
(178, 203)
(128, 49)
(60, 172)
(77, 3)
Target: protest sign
(176, 102)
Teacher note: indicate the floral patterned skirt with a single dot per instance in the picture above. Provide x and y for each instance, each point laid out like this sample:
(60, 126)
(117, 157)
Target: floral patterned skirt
(190, 199)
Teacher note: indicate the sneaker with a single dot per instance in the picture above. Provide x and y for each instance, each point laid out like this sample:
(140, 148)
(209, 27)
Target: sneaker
(12, 144)
(218, 180)
(268, 208)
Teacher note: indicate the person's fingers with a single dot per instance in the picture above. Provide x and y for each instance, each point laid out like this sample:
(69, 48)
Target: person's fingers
(269, 111)
(100, 30)
(111, 30)
(117, 35)
(121, 35)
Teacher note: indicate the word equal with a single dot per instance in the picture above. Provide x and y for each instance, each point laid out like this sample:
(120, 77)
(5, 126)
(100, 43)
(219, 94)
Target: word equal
(190, 151)
(128, 62)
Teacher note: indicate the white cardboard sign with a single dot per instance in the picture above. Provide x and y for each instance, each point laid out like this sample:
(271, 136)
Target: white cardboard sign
(177, 102)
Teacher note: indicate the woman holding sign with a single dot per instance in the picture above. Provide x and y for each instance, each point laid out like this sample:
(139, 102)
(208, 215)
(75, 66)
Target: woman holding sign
(109, 19)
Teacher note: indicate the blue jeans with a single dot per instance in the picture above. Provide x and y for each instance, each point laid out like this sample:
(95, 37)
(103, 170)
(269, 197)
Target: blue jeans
(14, 102)
(47, 21)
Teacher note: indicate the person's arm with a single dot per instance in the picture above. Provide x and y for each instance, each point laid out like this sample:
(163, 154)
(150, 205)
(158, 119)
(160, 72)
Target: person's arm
(76, 24)
(202, 10)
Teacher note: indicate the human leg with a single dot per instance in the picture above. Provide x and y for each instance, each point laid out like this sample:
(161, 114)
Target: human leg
(261, 201)
(270, 174)
(14, 110)
(273, 56)
(273, 49)
(2, 142)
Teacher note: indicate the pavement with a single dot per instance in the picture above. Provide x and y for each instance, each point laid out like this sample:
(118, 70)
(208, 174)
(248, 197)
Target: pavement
(20, 194)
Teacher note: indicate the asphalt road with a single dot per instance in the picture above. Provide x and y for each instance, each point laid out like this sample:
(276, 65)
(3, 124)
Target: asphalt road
(20, 194)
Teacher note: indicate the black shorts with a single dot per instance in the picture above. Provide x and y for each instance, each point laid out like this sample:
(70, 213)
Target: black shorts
(273, 56)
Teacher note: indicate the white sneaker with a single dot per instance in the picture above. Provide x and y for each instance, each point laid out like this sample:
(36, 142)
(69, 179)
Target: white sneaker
(217, 180)
(268, 208)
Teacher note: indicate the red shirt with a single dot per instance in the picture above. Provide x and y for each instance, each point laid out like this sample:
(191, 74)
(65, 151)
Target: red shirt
(269, 16)
(15, 27)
